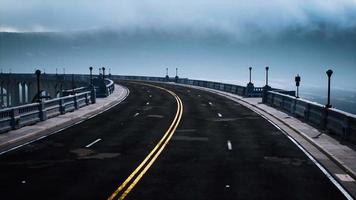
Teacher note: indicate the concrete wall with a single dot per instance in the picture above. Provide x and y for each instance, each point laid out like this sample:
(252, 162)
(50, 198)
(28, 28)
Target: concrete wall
(332, 120)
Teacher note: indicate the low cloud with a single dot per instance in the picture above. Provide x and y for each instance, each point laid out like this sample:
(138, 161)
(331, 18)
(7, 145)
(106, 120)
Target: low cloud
(238, 19)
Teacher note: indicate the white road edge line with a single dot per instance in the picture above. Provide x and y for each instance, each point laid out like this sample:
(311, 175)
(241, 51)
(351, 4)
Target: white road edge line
(210, 103)
(136, 114)
(219, 114)
(326, 173)
(91, 144)
(229, 145)
(40, 138)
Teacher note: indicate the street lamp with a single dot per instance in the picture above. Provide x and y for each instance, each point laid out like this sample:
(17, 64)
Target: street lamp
(329, 73)
(250, 68)
(167, 77)
(103, 72)
(267, 68)
(176, 78)
(38, 74)
(73, 84)
(297, 83)
(91, 75)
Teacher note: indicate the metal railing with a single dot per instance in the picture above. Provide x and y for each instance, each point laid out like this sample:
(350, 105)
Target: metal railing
(17, 117)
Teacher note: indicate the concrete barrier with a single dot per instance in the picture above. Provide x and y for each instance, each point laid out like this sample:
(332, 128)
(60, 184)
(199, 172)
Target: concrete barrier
(332, 120)
(17, 117)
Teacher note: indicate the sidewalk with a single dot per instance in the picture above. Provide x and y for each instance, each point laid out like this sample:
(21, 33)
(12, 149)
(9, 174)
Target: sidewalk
(16, 138)
(338, 158)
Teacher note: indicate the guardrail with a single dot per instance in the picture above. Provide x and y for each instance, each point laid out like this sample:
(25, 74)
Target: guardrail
(235, 89)
(332, 120)
(110, 86)
(75, 90)
(17, 117)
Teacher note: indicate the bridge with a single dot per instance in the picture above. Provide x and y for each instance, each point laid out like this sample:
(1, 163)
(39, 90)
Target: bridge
(140, 137)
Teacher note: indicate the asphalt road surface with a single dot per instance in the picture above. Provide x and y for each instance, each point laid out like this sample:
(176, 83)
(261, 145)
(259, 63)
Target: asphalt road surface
(204, 147)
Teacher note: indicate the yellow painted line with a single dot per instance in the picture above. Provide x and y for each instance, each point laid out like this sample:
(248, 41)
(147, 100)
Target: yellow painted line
(152, 156)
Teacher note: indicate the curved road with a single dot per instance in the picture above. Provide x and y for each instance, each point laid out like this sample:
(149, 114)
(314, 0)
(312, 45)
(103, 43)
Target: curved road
(204, 147)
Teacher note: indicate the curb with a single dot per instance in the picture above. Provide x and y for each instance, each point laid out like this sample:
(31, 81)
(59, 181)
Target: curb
(35, 136)
(303, 135)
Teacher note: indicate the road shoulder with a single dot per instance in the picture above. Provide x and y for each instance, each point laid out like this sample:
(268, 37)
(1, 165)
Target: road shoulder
(339, 159)
(17, 138)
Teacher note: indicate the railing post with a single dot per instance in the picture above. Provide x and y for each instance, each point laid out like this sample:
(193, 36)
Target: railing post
(43, 111)
(293, 105)
(75, 99)
(324, 116)
(347, 128)
(62, 107)
(92, 94)
(15, 118)
(87, 99)
(306, 112)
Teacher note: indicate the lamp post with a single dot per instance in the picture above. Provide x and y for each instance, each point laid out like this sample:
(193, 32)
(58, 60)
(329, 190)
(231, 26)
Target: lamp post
(73, 84)
(38, 74)
(167, 77)
(176, 78)
(329, 73)
(267, 68)
(297, 83)
(103, 72)
(250, 68)
(91, 75)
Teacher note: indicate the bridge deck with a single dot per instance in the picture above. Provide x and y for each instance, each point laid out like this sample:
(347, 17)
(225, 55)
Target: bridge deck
(220, 150)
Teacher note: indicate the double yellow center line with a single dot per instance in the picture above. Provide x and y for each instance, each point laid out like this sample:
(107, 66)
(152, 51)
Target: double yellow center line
(125, 188)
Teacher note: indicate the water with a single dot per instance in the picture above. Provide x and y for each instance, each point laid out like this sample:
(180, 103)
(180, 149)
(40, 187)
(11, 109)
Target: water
(340, 99)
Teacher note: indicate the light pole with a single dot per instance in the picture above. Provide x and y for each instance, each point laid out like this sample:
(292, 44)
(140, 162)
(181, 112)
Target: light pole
(297, 83)
(176, 77)
(329, 73)
(38, 74)
(103, 72)
(267, 68)
(91, 75)
(73, 84)
(167, 77)
(250, 68)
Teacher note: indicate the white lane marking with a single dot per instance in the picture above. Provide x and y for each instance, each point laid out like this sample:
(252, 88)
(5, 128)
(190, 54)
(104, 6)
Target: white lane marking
(227, 186)
(150, 96)
(219, 114)
(210, 103)
(91, 144)
(199, 95)
(325, 172)
(136, 114)
(229, 145)
(148, 103)
(345, 177)
(57, 131)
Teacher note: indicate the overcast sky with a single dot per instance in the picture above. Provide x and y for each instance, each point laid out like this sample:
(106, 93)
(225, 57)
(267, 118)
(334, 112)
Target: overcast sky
(237, 19)
(199, 36)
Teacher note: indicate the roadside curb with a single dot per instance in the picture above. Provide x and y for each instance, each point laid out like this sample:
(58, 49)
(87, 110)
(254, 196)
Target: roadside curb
(335, 160)
(40, 134)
